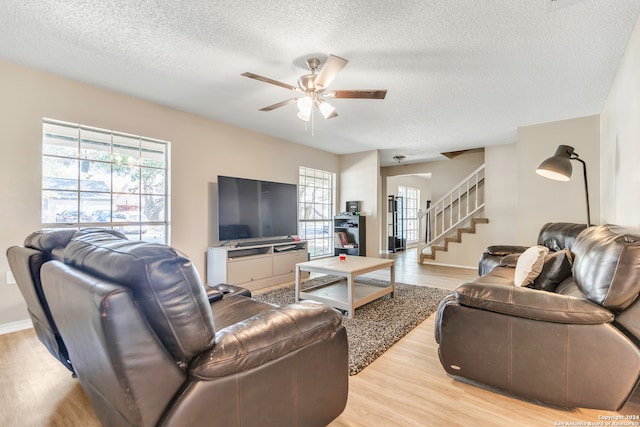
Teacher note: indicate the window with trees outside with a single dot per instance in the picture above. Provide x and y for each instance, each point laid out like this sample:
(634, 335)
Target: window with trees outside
(411, 203)
(316, 202)
(99, 178)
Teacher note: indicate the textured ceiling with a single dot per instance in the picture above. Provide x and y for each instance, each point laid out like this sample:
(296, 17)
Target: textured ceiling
(460, 74)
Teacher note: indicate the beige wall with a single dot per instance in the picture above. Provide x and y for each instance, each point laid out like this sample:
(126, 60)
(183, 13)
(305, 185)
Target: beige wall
(518, 200)
(541, 200)
(200, 150)
(501, 198)
(445, 174)
(620, 141)
(360, 181)
(421, 182)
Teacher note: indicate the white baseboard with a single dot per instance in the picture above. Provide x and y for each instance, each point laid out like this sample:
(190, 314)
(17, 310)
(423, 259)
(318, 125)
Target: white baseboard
(467, 267)
(7, 328)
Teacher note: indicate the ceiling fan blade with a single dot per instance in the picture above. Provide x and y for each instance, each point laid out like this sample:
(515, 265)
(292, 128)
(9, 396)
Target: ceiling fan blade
(268, 80)
(330, 70)
(279, 104)
(363, 94)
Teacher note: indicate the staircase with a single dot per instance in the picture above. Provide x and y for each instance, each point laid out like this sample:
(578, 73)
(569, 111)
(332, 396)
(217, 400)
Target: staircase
(430, 252)
(456, 213)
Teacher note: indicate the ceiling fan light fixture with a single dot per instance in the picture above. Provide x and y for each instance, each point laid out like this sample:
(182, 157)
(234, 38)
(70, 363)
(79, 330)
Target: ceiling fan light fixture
(304, 117)
(307, 82)
(325, 108)
(304, 108)
(311, 89)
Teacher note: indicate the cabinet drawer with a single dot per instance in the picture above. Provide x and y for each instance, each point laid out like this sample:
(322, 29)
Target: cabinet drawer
(286, 262)
(240, 271)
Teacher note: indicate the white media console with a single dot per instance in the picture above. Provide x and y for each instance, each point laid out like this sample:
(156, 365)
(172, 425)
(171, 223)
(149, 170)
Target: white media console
(256, 266)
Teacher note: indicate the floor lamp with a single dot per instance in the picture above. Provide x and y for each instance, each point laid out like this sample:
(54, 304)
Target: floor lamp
(558, 167)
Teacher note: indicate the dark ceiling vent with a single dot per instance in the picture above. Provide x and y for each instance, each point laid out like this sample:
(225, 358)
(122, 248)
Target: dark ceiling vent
(452, 154)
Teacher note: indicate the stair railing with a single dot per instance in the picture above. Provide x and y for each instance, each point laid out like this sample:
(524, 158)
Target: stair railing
(454, 208)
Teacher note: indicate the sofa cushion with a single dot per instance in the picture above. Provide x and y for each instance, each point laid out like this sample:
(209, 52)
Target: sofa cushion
(529, 265)
(531, 304)
(51, 242)
(510, 260)
(607, 265)
(499, 275)
(556, 268)
(164, 283)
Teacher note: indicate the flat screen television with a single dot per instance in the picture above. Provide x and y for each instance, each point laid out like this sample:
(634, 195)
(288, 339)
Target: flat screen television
(254, 209)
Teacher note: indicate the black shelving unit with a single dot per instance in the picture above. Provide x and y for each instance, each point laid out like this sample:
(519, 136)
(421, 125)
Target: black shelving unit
(395, 219)
(350, 235)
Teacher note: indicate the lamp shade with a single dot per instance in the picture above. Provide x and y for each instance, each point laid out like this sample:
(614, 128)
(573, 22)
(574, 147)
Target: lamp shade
(558, 167)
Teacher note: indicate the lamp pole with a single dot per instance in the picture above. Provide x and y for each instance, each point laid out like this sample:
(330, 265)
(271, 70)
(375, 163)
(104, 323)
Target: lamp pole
(586, 187)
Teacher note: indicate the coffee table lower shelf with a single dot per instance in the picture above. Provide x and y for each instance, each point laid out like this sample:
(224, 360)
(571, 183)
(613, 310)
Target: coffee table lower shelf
(349, 293)
(336, 294)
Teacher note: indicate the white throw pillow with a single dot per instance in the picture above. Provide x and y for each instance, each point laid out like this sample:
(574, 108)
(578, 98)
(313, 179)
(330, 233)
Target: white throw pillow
(529, 265)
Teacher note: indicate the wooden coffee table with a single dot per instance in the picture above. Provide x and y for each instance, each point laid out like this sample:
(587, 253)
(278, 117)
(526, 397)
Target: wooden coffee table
(346, 294)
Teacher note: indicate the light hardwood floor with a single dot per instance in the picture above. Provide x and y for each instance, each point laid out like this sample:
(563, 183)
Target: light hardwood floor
(406, 386)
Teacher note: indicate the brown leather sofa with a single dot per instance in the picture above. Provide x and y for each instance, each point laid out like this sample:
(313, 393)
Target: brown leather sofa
(574, 344)
(150, 347)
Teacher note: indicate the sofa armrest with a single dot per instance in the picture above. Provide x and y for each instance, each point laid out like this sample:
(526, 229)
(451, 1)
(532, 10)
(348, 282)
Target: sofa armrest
(217, 292)
(493, 256)
(532, 304)
(502, 250)
(264, 337)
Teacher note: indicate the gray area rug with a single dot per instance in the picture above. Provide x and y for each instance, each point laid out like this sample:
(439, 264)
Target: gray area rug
(378, 325)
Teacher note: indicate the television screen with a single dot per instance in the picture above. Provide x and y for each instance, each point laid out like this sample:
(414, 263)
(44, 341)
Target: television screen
(253, 209)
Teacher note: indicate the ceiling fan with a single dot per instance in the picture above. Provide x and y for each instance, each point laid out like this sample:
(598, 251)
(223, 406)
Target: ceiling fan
(311, 89)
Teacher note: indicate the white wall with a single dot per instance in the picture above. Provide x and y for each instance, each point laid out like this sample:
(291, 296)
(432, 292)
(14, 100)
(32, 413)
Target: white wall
(620, 141)
(200, 150)
(360, 181)
(541, 200)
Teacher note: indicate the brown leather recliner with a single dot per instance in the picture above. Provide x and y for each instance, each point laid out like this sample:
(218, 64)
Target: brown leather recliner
(574, 346)
(25, 263)
(149, 348)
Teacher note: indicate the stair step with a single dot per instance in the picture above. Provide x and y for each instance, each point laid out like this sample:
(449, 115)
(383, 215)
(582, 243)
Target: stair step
(454, 239)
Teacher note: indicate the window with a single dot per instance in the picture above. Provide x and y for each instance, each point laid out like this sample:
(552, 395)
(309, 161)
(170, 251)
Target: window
(315, 207)
(410, 214)
(98, 178)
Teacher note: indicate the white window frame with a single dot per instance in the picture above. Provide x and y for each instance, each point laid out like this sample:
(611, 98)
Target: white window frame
(411, 197)
(316, 208)
(134, 224)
